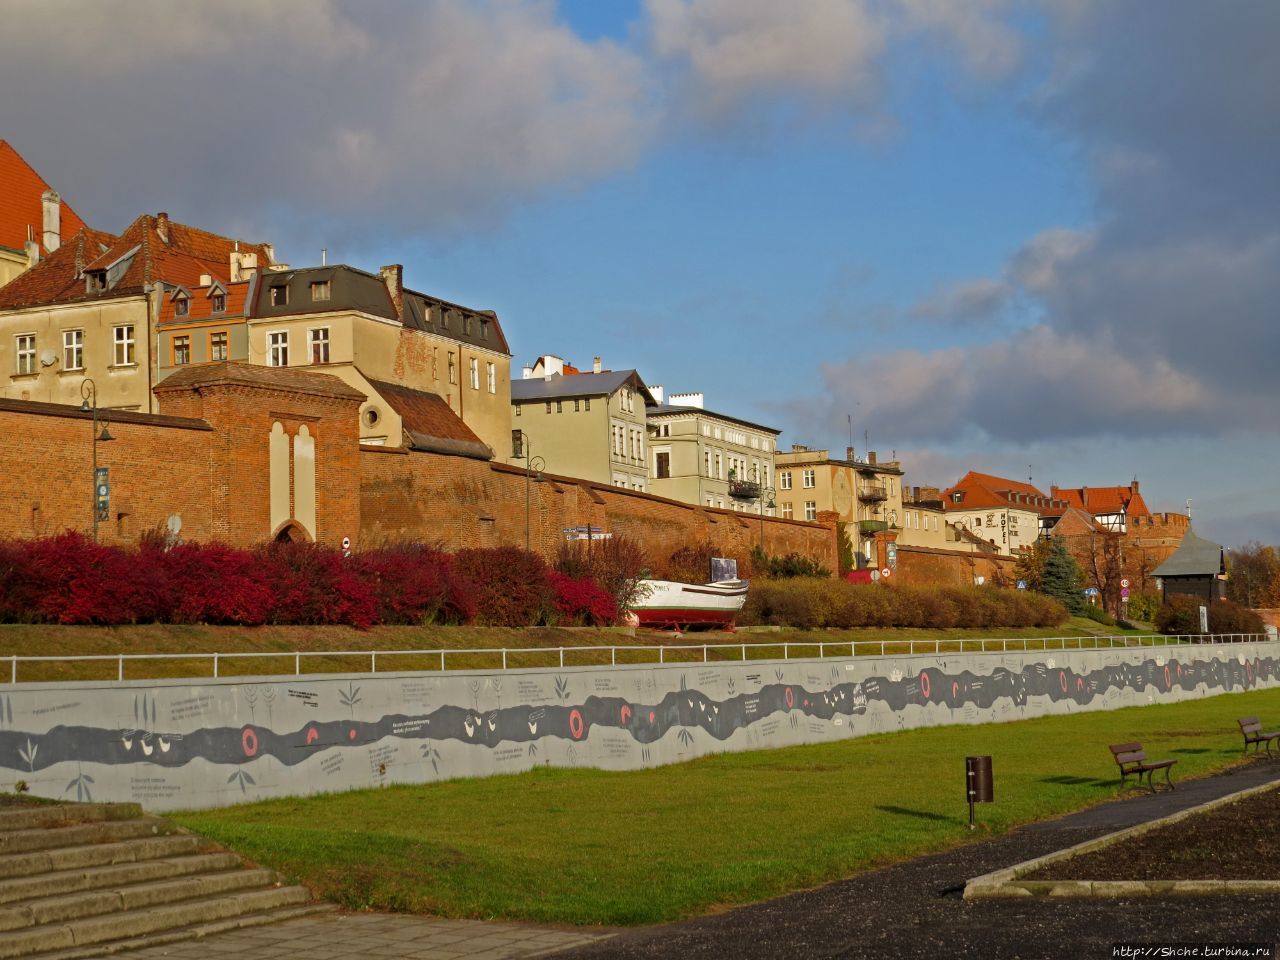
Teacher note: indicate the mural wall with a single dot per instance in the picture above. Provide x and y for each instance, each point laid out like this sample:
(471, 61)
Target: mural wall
(185, 744)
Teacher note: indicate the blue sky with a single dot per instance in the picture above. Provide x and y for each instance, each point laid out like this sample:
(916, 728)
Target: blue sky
(1007, 235)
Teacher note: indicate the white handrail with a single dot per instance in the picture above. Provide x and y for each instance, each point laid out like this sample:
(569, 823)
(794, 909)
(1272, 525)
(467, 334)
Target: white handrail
(789, 648)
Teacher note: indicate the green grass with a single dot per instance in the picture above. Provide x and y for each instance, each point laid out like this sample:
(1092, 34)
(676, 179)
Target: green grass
(592, 847)
(538, 647)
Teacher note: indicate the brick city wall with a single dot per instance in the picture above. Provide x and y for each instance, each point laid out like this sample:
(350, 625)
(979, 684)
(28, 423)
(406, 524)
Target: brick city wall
(157, 467)
(927, 566)
(457, 502)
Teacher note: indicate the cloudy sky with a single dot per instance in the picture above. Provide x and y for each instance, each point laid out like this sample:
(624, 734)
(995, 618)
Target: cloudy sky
(1039, 238)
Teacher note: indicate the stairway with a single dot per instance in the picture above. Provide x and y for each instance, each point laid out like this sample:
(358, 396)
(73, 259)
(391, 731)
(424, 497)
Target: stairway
(91, 879)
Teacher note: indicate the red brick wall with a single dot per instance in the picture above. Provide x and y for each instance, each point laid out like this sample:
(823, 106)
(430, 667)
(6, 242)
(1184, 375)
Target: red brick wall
(457, 502)
(155, 470)
(924, 566)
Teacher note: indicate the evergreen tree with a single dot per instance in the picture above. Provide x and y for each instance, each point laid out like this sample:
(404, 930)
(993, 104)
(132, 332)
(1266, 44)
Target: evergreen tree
(1060, 578)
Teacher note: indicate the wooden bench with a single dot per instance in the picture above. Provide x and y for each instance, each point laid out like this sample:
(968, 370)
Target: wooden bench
(1131, 759)
(1251, 730)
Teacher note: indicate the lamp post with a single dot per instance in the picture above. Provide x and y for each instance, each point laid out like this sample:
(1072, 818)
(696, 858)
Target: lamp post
(765, 493)
(89, 404)
(521, 449)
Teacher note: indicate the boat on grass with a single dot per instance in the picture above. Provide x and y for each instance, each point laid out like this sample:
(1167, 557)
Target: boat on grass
(669, 605)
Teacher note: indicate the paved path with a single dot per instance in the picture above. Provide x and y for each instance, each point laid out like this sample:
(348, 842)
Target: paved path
(377, 936)
(912, 910)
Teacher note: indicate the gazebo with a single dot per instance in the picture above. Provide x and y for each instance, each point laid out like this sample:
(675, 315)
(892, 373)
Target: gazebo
(1197, 568)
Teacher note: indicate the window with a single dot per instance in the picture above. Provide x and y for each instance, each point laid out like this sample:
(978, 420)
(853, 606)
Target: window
(808, 479)
(661, 466)
(279, 295)
(318, 340)
(518, 409)
(719, 468)
(475, 374)
(453, 374)
(586, 404)
(181, 305)
(124, 353)
(218, 345)
(181, 350)
(784, 480)
(559, 406)
(787, 512)
(706, 463)
(319, 291)
(548, 406)
(492, 374)
(72, 349)
(484, 329)
(576, 407)
(219, 302)
(811, 510)
(435, 363)
(25, 351)
(278, 349)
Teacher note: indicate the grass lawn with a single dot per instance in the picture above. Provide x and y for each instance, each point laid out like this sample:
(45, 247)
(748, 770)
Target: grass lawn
(590, 847)
(542, 642)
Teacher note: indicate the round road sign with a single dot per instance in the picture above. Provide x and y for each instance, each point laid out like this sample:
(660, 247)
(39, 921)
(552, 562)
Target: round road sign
(1124, 582)
(885, 572)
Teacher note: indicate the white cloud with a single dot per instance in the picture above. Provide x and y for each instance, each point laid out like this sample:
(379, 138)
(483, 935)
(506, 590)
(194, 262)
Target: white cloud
(987, 45)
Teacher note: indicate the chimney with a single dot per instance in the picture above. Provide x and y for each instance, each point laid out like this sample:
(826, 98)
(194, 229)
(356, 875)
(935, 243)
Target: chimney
(871, 457)
(393, 277)
(206, 279)
(688, 400)
(32, 248)
(551, 364)
(162, 227)
(848, 453)
(243, 264)
(1134, 486)
(595, 365)
(526, 373)
(52, 204)
(657, 392)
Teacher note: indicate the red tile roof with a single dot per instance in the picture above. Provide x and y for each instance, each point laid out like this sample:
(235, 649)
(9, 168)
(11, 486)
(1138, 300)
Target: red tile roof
(154, 249)
(200, 303)
(430, 422)
(21, 189)
(1102, 500)
(56, 278)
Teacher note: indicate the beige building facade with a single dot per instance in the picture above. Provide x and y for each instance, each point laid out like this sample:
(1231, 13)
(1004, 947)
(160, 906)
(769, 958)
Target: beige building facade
(591, 426)
(708, 458)
(866, 495)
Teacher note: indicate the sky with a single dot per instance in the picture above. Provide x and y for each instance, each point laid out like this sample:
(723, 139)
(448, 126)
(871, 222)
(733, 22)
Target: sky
(1039, 238)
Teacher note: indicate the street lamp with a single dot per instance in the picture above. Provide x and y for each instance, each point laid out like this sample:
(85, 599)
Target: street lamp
(521, 449)
(89, 404)
(766, 493)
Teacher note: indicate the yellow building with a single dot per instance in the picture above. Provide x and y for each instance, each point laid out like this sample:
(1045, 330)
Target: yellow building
(866, 495)
(712, 459)
(369, 329)
(586, 425)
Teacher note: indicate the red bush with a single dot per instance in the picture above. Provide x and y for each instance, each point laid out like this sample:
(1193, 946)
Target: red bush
(212, 583)
(312, 584)
(509, 585)
(414, 585)
(582, 601)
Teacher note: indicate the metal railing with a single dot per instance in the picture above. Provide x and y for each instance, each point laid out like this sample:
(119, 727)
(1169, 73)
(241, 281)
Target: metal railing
(499, 658)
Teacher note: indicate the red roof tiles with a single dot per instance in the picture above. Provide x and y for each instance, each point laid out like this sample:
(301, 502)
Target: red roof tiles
(1104, 500)
(21, 206)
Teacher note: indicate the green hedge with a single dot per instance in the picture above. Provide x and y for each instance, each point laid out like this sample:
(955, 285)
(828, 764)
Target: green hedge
(812, 603)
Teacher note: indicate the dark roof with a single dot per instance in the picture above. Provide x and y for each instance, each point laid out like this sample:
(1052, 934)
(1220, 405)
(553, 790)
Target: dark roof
(279, 378)
(558, 386)
(665, 410)
(105, 414)
(430, 423)
(354, 289)
(1195, 557)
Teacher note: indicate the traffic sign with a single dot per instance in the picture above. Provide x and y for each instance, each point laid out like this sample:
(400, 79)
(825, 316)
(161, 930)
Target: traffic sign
(886, 572)
(1124, 582)
(1090, 591)
(1124, 593)
(1022, 584)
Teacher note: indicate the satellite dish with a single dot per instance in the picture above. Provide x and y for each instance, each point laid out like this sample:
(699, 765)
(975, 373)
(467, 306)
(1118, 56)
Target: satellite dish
(48, 358)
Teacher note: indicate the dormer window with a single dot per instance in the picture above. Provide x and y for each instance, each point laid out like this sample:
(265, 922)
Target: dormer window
(484, 329)
(96, 280)
(319, 291)
(279, 295)
(219, 301)
(181, 305)
(957, 497)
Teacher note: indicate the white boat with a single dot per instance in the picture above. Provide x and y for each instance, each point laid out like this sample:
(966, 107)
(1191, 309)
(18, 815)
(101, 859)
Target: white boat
(668, 605)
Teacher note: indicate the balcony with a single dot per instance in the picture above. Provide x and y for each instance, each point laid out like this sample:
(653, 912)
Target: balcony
(872, 492)
(744, 490)
(872, 526)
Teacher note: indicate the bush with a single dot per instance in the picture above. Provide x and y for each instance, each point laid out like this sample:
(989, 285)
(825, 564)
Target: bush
(1180, 614)
(581, 601)
(212, 583)
(508, 585)
(1143, 606)
(1099, 615)
(315, 585)
(1226, 616)
(617, 565)
(413, 584)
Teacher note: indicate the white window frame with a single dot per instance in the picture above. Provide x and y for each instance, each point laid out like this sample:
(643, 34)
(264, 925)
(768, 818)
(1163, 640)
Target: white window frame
(176, 361)
(24, 352)
(226, 345)
(809, 480)
(122, 337)
(491, 376)
(315, 340)
(278, 348)
(784, 480)
(811, 510)
(73, 349)
(475, 373)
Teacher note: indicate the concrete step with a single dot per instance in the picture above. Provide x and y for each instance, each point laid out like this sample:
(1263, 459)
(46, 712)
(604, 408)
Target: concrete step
(193, 932)
(36, 884)
(82, 857)
(146, 920)
(92, 903)
(36, 815)
(79, 834)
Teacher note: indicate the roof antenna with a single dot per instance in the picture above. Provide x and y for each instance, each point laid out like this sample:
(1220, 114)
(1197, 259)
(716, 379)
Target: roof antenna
(1188, 508)
(324, 256)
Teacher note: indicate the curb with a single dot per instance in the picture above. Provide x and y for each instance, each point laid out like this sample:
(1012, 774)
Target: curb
(1007, 882)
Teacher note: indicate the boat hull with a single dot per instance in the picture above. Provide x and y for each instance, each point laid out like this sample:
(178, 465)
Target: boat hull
(683, 606)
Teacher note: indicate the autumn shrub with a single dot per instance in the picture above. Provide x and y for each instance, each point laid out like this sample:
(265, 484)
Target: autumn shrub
(413, 584)
(616, 564)
(508, 585)
(689, 564)
(1226, 616)
(72, 580)
(1179, 614)
(1099, 615)
(581, 601)
(211, 583)
(313, 584)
